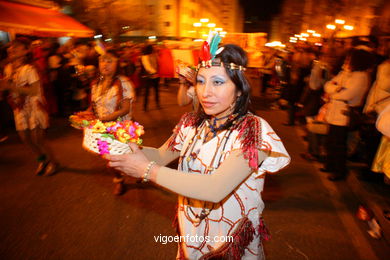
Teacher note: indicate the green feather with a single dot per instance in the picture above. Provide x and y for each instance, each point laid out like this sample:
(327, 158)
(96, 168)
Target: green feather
(214, 44)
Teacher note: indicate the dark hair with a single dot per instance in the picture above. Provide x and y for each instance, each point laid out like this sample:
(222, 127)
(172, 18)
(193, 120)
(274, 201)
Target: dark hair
(234, 54)
(360, 60)
(114, 53)
(148, 49)
(26, 43)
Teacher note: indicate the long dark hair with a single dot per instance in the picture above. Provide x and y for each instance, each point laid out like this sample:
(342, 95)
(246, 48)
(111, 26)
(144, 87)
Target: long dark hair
(233, 54)
(114, 53)
(26, 43)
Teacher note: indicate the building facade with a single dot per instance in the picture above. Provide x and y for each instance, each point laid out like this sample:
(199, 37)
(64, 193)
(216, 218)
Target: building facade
(176, 18)
(365, 16)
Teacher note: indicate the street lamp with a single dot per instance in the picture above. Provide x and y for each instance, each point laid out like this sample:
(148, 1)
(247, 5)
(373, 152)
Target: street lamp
(348, 27)
(331, 26)
(339, 21)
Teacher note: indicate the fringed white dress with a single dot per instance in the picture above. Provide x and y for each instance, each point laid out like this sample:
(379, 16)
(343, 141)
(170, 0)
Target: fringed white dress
(239, 214)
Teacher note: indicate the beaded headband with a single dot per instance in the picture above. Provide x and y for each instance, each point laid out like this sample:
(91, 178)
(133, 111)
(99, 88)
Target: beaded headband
(208, 52)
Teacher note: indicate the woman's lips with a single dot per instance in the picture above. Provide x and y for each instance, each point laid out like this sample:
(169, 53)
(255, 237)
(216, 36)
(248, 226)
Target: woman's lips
(208, 104)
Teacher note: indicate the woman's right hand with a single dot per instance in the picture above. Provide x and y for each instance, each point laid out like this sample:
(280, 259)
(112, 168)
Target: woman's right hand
(132, 164)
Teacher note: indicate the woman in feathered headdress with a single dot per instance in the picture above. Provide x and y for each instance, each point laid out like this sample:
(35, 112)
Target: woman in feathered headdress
(224, 152)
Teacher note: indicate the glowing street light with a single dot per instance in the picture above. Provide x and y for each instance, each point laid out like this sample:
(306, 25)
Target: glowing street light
(218, 29)
(204, 20)
(211, 25)
(339, 21)
(348, 27)
(311, 31)
(316, 34)
(304, 34)
(197, 24)
(331, 26)
(297, 35)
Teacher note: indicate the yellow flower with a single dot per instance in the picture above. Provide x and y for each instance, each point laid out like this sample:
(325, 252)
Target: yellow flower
(140, 131)
(122, 135)
(99, 127)
(110, 124)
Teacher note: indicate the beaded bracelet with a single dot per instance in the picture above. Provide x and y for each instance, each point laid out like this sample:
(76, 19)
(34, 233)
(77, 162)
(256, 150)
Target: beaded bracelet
(147, 172)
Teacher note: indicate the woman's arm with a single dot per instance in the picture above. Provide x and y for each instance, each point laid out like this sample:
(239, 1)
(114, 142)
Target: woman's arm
(162, 156)
(214, 187)
(182, 96)
(30, 90)
(123, 110)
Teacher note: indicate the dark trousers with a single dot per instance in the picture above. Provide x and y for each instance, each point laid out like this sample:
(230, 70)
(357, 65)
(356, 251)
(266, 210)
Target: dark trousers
(336, 158)
(151, 82)
(265, 82)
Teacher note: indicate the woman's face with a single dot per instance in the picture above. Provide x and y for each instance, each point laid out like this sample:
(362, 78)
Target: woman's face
(216, 91)
(16, 51)
(108, 64)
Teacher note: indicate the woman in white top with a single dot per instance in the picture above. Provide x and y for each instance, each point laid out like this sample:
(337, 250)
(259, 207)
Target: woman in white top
(347, 90)
(28, 104)
(111, 98)
(224, 152)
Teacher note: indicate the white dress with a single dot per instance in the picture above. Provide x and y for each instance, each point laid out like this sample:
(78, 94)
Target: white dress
(107, 103)
(239, 214)
(29, 110)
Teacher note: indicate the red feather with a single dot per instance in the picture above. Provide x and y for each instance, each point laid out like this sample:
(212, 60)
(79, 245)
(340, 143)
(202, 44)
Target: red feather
(205, 52)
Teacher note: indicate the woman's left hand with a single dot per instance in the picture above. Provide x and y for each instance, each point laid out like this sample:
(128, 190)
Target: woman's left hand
(132, 164)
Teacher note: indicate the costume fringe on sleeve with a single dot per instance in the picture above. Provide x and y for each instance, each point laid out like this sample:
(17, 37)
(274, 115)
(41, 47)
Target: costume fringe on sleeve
(251, 141)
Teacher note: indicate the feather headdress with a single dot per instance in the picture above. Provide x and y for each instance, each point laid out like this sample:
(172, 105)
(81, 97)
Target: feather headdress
(210, 49)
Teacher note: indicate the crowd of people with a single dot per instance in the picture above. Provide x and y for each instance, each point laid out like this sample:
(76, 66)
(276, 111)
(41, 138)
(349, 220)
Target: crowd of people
(342, 96)
(337, 93)
(224, 150)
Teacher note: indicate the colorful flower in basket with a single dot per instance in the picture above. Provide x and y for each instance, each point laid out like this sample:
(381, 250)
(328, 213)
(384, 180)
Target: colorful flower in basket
(123, 131)
(81, 119)
(122, 135)
(99, 127)
(103, 147)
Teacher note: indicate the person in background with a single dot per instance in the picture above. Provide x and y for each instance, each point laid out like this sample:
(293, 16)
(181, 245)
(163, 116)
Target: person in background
(111, 98)
(150, 75)
(224, 153)
(381, 162)
(22, 81)
(346, 91)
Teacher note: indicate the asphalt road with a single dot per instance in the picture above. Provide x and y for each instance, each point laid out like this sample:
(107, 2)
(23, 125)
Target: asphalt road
(73, 215)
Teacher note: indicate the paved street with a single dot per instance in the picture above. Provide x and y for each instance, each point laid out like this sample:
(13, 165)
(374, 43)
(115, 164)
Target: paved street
(73, 215)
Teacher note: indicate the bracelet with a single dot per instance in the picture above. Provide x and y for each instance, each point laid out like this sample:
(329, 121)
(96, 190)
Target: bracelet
(145, 177)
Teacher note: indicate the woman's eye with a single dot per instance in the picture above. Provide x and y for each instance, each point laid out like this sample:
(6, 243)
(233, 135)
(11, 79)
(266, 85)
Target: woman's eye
(199, 81)
(218, 82)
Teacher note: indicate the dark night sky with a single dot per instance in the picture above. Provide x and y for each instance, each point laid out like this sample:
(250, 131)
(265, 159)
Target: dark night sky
(258, 14)
(261, 9)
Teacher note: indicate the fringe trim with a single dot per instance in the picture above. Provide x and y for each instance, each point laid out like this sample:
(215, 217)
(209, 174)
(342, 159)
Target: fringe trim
(242, 237)
(188, 119)
(250, 134)
(263, 231)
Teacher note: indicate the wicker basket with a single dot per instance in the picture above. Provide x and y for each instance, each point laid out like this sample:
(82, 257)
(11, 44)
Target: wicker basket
(91, 139)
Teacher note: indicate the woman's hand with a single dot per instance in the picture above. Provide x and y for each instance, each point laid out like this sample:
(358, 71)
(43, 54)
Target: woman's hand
(132, 164)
